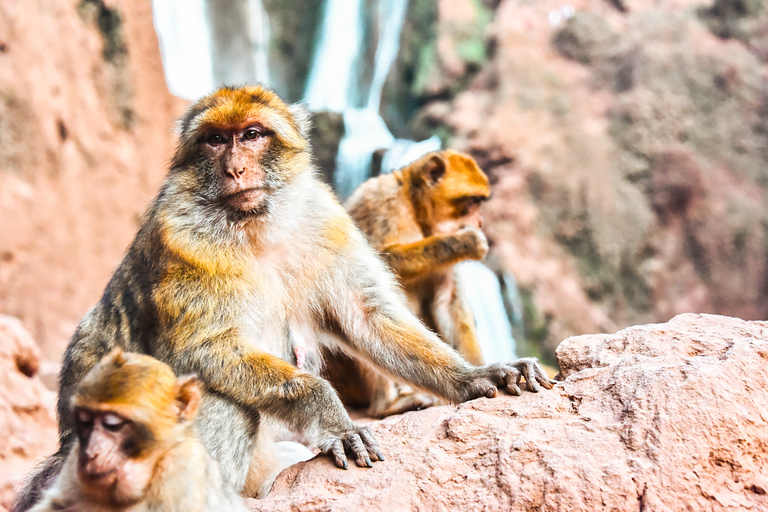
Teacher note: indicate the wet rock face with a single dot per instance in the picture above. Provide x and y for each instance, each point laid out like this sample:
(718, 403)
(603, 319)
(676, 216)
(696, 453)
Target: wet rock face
(656, 417)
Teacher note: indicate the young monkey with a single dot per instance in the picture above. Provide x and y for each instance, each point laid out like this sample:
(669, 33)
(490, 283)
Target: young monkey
(137, 448)
(423, 219)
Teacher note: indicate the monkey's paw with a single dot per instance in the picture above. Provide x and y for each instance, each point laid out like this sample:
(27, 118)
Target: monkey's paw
(360, 444)
(473, 242)
(487, 380)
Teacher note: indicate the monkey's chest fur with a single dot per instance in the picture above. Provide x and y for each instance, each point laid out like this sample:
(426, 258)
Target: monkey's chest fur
(256, 294)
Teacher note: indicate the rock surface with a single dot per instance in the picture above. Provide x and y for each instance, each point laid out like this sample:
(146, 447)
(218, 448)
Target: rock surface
(86, 131)
(27, 418)
(657, 417)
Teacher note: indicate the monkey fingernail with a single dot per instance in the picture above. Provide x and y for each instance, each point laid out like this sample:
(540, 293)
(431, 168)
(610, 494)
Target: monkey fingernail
(514, 389)
(491, 392)
(379, 456)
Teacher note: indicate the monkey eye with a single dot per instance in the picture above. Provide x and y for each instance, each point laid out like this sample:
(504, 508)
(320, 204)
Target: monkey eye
(84, 417)
(251, 133)
(214, 139)
(112, 422)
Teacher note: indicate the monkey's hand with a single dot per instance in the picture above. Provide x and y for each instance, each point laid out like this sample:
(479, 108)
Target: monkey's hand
(470, 243)
(356, 440)
(487, 380)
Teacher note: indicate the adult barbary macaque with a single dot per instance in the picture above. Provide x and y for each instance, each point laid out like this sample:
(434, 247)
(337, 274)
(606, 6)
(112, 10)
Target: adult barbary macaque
(243, 253)
(136, 448)
(423, 218)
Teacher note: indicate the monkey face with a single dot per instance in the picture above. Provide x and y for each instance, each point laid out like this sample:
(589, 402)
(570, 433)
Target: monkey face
(236, 154)
(239, 146)
(454, 190)
(108, 464)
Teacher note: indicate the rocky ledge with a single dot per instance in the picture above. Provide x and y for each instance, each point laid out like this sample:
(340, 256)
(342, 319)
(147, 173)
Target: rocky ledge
(669, 416)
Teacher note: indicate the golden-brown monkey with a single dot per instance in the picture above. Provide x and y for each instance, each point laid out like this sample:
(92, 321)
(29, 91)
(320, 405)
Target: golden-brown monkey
(242, 247)
(423, 218)
(136, 448)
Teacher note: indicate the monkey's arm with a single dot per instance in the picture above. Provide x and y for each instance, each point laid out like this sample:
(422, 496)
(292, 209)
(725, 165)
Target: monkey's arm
(377, 326)
(436, 251)
(268, 384)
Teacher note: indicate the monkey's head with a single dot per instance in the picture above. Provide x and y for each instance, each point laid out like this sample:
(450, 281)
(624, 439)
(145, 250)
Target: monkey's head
(128, 410)
(239, 145)
(446, 189)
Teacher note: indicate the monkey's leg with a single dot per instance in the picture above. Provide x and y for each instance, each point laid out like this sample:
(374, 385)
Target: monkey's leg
(454, 319)
(229, 433)
(435, 252)
(389, 397)
(267, 384)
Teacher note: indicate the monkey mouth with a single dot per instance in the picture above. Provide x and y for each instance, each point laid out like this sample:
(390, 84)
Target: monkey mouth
(246, 200)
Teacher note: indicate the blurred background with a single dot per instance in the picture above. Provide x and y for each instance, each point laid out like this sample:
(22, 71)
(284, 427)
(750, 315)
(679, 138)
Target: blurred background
(626, 140)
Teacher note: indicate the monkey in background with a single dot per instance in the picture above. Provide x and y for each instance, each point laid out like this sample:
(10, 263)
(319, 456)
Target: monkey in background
(136, 446)
(242, 247)
(423, 219)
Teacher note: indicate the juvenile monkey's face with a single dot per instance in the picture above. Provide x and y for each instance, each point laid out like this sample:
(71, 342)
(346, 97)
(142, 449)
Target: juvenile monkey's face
(108, 465)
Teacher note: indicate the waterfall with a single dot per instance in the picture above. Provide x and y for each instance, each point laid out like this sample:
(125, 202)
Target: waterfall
(209, 43)
(184, 39)
(335, 85)
(494, 332)
(330, 82)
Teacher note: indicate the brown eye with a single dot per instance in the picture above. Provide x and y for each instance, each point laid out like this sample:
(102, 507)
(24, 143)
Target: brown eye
(251, 133)
(214, 139)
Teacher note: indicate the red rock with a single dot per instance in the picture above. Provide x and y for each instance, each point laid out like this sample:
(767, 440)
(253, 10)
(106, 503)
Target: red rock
(27, 418)
(656, 417)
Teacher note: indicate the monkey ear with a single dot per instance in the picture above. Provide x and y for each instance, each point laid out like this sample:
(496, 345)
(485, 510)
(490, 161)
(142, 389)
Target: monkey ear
(434, 169)
(188, 394)
(303, 118)
(116, 356)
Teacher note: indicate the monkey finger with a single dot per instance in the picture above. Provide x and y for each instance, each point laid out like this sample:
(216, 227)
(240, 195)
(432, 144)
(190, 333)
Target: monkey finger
(529, 372)
(356, 446)
(513, 388)
(371, 445)
(338, 454)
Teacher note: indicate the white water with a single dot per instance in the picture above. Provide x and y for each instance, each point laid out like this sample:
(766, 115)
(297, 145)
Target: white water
(483, 292)
(182, 32)
(333, 86)
(258, 23)
(331, 75)
(185, 41)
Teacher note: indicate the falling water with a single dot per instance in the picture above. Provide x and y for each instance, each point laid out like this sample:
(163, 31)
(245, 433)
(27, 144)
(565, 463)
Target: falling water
(482, 289)
(182, 31)
(201, 51)
(330, 82)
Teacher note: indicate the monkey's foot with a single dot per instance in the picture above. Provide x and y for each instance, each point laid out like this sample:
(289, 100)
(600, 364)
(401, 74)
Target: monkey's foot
(359, 441)
(412, 401)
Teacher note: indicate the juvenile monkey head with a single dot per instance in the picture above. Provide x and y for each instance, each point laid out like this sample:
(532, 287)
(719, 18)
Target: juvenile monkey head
(128, 410)
(446, 189)
(239, 145)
